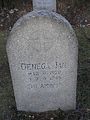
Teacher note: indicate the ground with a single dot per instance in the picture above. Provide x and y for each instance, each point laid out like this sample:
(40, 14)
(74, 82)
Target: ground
(81, 25)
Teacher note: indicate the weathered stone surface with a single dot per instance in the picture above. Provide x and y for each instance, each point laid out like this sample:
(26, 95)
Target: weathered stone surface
(44, 4)
(42, 52)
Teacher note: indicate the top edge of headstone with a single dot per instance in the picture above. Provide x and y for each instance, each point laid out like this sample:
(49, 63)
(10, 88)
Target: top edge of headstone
(44, 4)
(41, 13)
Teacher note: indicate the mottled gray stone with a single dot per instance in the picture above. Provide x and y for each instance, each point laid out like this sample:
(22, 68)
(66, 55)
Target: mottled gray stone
(44, 4)
(42, 52)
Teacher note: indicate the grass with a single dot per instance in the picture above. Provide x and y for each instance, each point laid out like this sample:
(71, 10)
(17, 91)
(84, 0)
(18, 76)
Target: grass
(7, 102)
(6, 94)
(84, 67)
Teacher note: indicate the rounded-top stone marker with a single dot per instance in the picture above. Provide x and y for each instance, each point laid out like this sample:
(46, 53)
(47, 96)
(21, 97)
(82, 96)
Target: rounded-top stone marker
(42, 51)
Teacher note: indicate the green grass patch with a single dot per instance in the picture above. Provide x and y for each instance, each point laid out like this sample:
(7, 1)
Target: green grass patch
(2, 48)
(6, 90)
(83, 89)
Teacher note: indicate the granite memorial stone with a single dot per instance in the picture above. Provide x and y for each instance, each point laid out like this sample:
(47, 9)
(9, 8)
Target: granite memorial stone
(42, 52)
(44, 4)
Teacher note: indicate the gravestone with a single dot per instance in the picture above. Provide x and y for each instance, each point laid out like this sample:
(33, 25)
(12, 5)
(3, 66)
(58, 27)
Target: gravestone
(44, 4)
(42, 53)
